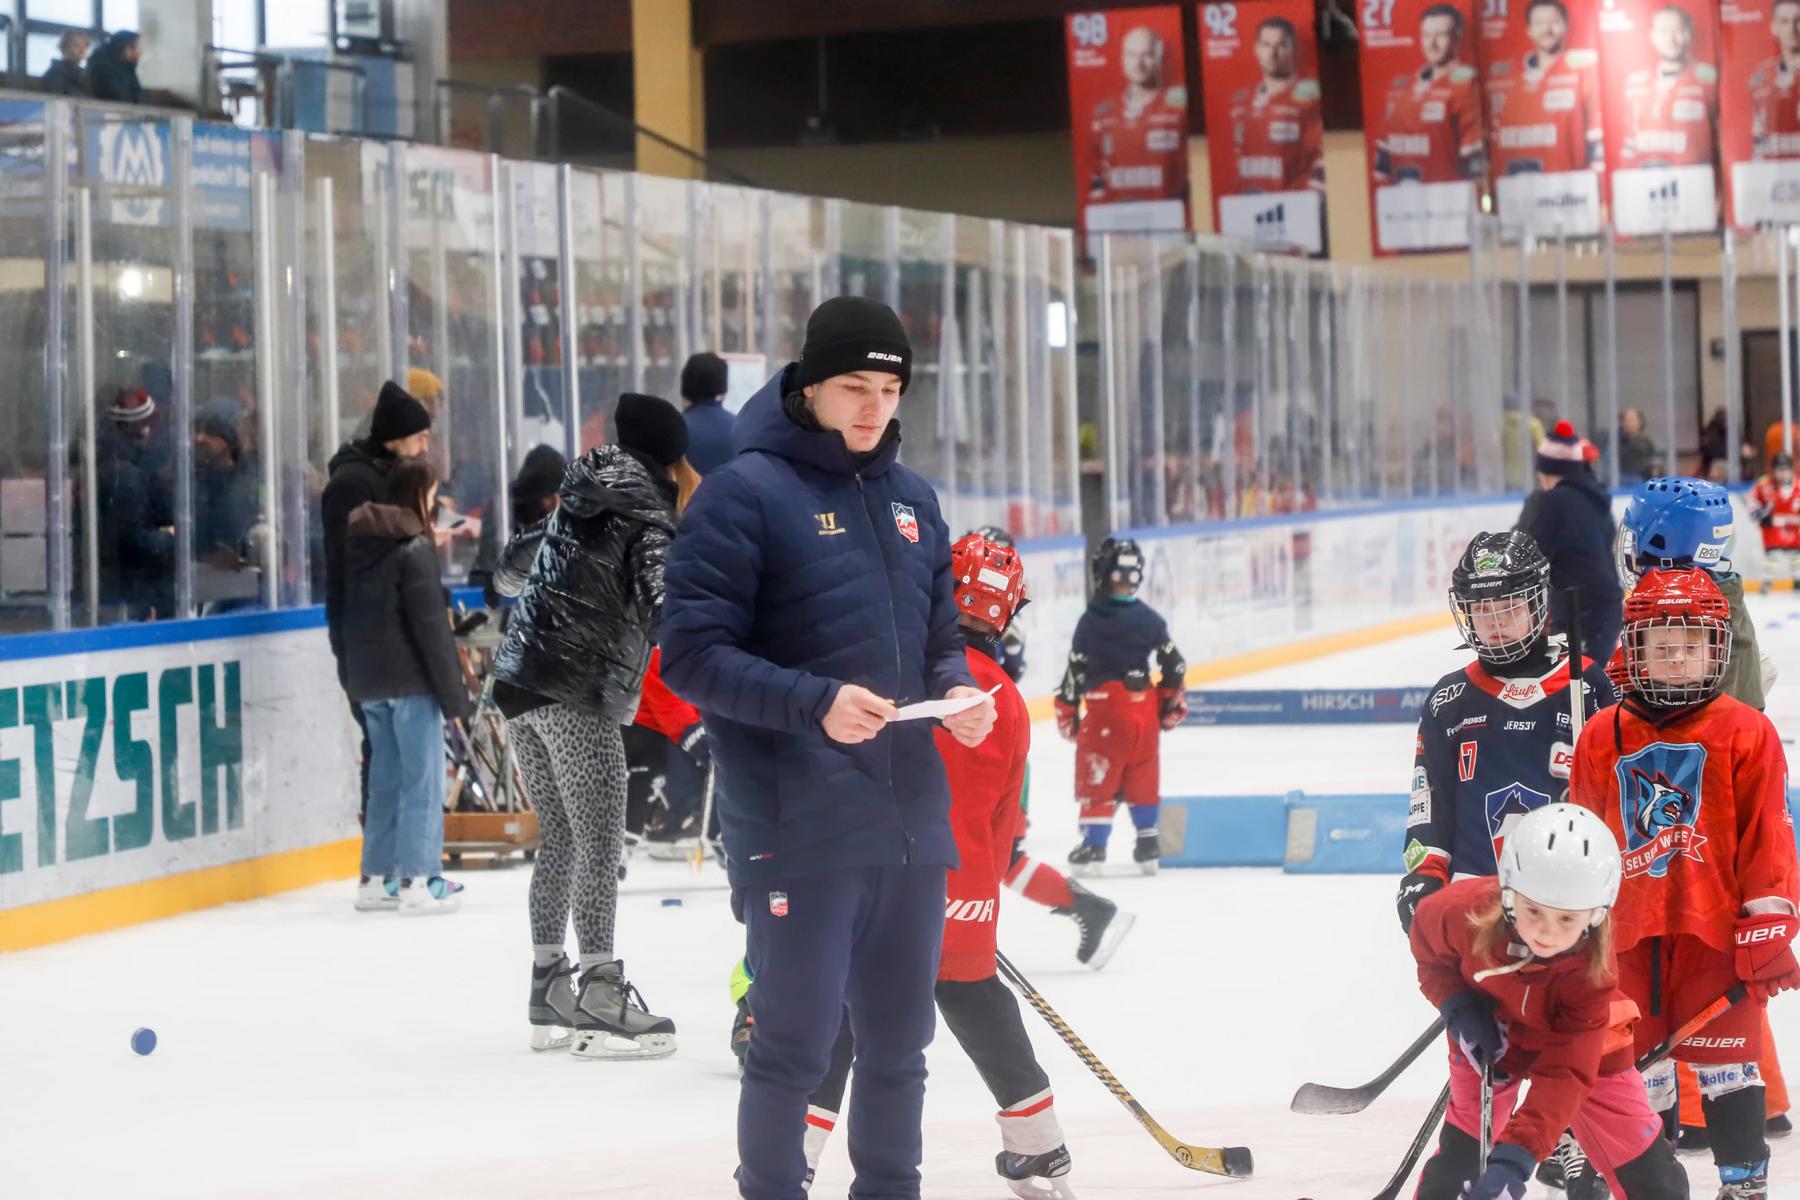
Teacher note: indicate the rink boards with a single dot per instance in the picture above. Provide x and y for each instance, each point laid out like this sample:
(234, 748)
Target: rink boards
(147, 770)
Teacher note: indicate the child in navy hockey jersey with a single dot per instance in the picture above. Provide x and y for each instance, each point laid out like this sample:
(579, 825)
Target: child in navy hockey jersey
(1116, 739)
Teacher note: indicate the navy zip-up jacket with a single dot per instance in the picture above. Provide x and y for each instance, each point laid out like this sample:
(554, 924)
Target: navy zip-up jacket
(796, 571)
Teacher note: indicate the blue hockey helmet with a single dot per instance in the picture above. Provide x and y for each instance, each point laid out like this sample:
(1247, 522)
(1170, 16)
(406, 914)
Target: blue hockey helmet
(1674, 522)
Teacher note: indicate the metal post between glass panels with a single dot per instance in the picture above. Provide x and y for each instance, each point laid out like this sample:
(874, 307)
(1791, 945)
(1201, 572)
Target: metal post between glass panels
(1071, 409)
(56, 486)
(634, 282)
(325, 236)
(291, 225)
(1526, 389)
(392, 250)
(509, 274)
(1228, 359)
(1155, 454)
(87, 394)
(1668, 348)
(1562, 325)
(1109, 392)
(1734, 417)
(262, 208)
(181, 139)
(569, 362)
(501, 281)
(1608, 248)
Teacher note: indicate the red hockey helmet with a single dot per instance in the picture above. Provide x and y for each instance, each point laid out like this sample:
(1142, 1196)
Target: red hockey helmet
(990, 580)
(1677, 637)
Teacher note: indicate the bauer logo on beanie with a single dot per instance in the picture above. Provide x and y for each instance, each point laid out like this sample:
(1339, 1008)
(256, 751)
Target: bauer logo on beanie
(854, 333)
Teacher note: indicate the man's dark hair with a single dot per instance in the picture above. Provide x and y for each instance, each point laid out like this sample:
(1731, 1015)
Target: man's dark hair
(1558, 5)
(1444, 10)
(1687, 18)
(1287, 27)
(1779, 3)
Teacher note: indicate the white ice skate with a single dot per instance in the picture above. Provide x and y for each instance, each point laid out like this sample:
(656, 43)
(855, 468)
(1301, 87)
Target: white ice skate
(553, 1005)
(611, 1020)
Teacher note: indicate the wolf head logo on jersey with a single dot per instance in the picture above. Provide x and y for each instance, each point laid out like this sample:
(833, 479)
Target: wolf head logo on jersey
(1659, 806)
(1504, 808)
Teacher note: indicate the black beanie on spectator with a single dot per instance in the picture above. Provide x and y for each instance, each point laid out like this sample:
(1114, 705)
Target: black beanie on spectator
(397, 415)
(853, 333)
(704, 377)
(651, 426)
(540, 476)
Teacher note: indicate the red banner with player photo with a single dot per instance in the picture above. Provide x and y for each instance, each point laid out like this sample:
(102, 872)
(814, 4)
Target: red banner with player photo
(1128, 113)
(1659, 73)
(1540, 69)
(1759, 110)
(1422, 122)
(1265, 127)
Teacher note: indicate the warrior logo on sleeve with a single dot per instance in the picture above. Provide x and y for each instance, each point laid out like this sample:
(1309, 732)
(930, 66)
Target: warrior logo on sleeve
(1659, 802)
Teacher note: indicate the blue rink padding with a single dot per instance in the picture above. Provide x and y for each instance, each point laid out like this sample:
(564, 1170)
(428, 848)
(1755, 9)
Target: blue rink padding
(1345, 835)
(1224, 831)
(1307, 706)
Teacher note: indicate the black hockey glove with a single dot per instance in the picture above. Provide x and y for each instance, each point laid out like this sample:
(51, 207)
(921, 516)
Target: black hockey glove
(693, 744)
(1413, 890)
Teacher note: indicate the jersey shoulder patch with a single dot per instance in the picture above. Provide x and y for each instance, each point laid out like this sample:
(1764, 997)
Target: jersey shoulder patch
(1581, 59)
(1306, 89)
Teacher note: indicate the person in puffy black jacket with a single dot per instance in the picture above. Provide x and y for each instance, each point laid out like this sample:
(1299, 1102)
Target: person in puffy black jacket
(1570, 519)
(589, 577)
(401, 668)
(112, 70)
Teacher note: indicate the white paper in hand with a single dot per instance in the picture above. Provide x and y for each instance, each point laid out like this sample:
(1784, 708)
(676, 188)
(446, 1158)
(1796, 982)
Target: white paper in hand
(942, 708)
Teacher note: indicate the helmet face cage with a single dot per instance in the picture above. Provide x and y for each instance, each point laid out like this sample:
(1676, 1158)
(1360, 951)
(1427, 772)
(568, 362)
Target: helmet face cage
(1699, 651)
(1533, 601)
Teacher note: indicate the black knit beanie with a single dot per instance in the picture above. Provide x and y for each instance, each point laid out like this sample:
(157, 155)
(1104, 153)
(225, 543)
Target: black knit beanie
(397, 415)
(651, 426)
(852, 333)
(704, 377)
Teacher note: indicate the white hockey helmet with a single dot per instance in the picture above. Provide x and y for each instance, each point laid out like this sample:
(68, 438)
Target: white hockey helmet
(1561, 856)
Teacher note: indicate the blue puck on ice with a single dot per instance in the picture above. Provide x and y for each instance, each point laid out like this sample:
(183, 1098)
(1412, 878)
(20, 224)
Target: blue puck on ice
(671, 901)
(143, 1040)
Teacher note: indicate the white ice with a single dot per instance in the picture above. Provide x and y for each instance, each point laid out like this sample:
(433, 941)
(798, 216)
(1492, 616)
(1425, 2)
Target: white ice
(309, 1051)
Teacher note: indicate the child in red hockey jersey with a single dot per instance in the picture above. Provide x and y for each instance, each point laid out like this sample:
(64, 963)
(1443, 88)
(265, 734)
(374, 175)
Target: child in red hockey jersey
(1694, 785)
(1775, 504)
(1117, 739)
(1522, 968)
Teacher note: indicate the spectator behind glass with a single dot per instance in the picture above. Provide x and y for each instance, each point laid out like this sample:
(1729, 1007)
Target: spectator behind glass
(134, 519)
(112, 71)
(224, 492)
(1638, 456)
(709, 423)
(65, 76)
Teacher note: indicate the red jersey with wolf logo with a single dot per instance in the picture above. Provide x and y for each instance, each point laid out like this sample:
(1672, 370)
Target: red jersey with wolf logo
(1698, 801)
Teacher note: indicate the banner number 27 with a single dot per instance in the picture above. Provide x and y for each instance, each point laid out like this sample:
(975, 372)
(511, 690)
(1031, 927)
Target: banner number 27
(1378, 13)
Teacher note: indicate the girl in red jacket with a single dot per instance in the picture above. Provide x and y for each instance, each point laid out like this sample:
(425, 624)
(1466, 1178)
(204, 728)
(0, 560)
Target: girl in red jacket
(1522, 968)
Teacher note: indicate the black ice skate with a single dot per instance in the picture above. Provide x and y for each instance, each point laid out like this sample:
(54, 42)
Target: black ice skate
(1037, 1176)
(611, 1020)
(1148, 851)
(1087, 859)
(553, 1005)
(1101, 923)
(1568, 1170)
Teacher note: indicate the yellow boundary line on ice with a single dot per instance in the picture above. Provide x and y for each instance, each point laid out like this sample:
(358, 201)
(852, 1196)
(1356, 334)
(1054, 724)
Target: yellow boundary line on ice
(153, 899)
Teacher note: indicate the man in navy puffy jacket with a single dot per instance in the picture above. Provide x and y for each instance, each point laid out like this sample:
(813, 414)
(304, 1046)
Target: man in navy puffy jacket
(808, 596)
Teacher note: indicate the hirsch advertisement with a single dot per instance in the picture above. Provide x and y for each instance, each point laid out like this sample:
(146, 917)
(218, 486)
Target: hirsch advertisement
(1266, 130)
(1128, 113)
(1546, 131)
(1422, 121)
(1660, 74)
(1759, 110)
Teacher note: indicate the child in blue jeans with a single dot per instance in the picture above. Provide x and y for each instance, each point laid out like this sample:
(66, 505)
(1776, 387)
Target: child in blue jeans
(401, 667)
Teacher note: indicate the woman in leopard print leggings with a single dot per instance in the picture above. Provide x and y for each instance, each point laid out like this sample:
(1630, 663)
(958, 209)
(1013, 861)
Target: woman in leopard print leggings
(589, 581)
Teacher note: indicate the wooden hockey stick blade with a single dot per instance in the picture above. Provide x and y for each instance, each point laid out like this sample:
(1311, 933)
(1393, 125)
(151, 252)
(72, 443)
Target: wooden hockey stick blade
(1417, 1148)
(1233, 1161)
(1699, 1021)
(1317, 1099)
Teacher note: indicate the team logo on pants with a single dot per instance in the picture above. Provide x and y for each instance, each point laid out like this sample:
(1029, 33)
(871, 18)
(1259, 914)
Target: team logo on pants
(1659, 801)
(778, 904)
(906, 522)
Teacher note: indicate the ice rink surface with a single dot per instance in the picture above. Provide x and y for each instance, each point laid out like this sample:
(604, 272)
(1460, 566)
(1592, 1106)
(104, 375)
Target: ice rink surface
(311, 1051)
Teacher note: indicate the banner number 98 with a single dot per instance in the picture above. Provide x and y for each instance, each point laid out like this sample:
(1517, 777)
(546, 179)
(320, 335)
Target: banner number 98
(1089, 28)
(1378, 13)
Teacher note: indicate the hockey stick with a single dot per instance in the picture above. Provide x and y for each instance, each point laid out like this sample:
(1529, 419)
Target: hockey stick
(706, 810)
(1487, 1118)
(1699, 1021)
(1234, 1161)
(1317, 1099)
(1417, 1148)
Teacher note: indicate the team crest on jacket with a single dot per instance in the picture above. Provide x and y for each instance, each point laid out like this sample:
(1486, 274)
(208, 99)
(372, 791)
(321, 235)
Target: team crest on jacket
(1504, 808)
(906, 522)
(1659, 804)
(778, 904)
